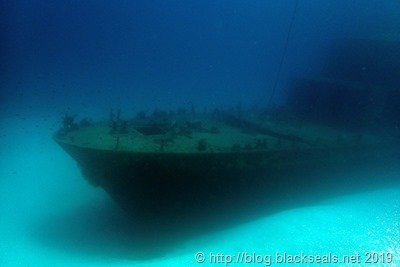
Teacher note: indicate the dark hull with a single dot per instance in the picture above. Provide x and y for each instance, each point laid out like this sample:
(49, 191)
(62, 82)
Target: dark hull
(166, 188)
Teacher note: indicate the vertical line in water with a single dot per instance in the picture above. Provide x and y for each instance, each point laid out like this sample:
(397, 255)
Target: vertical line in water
(284, 53)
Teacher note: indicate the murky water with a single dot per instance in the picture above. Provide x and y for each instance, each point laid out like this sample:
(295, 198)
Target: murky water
(88, 57)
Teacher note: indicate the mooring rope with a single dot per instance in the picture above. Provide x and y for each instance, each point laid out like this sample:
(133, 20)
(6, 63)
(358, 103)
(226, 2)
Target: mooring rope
(284, 53)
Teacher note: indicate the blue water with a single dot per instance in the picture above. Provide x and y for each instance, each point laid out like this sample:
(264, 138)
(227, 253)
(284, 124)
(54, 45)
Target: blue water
(87, 57)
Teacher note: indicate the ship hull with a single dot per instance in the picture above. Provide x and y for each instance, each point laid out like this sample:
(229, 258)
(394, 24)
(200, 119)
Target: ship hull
(176, 189)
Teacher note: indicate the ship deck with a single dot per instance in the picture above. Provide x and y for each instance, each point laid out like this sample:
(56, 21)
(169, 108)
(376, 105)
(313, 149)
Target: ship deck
(219, 137)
